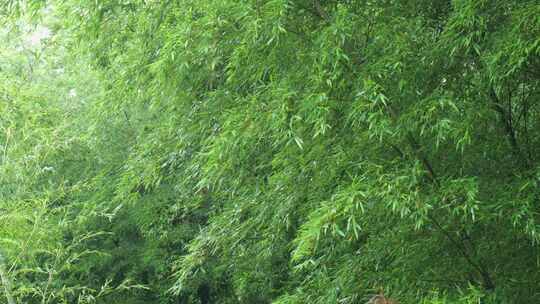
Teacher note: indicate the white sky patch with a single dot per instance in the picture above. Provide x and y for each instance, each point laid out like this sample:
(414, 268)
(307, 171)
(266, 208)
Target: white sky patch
(35, 37)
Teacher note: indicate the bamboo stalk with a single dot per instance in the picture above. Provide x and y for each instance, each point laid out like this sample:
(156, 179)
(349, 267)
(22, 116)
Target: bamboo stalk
(5, 280)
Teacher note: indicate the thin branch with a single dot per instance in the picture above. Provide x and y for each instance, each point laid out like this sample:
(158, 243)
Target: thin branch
(488, 282)
(506, 119)
(127, 118)
(319, 9)
(417, 149)
(398, 150)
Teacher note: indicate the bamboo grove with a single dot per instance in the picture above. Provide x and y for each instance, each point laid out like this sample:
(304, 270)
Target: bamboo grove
(269, 151)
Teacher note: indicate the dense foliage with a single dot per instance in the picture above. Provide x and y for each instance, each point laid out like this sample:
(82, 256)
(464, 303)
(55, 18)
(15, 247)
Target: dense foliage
(270, 151)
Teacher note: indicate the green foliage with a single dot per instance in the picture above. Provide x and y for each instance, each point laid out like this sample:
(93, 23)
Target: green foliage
(272, 151)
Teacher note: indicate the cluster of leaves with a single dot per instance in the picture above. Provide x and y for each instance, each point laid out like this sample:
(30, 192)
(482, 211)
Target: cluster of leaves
(280, 151)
